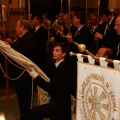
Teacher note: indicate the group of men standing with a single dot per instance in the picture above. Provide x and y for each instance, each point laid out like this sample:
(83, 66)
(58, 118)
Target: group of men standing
(32, 43)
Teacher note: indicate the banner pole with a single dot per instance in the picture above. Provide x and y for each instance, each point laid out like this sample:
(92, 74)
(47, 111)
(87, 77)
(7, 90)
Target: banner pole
(98, 24)
(69, 14)
(6, 71)
(62, 10)
(29, 10)
(86, 9)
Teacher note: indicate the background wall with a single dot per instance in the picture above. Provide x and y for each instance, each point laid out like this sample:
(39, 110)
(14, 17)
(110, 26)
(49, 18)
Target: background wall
(19, 8)
(114, 4)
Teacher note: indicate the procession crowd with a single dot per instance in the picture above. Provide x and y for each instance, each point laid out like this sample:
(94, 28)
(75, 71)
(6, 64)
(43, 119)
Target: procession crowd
(47, 43)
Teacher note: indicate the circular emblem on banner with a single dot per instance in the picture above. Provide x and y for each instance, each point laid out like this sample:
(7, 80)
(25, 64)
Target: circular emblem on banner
(98, 99)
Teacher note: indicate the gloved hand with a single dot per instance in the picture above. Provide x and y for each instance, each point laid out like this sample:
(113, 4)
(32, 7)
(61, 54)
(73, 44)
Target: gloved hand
(32, 72)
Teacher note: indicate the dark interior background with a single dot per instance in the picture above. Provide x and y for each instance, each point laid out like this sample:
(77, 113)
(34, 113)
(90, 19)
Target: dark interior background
(54, 6)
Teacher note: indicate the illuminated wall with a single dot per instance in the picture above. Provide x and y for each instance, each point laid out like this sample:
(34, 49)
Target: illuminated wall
(114, 4)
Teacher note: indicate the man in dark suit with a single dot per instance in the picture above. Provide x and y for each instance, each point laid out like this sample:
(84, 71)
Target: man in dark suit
(41, 35)
(113, 40)
(105, 30)
(68, 27)
(59, 88)
(26, 45)
(65, 29)
(93, 29)
(82, 35)
(109, 21)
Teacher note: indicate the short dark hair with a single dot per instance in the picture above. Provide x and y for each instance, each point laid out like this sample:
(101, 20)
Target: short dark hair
(64, 48)
(108, 52)
(106, 12)
(39, 17)
(80, 16)
(46, 15)
(27, 25)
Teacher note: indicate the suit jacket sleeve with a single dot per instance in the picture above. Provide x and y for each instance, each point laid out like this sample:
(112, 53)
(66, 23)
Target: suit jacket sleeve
(59, 78)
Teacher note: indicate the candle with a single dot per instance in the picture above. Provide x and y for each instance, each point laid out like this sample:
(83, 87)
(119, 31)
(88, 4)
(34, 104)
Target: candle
(20, 3)
(2, 116)
(3, 14)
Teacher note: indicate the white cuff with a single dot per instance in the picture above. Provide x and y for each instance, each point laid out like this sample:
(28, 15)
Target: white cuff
(32, 72)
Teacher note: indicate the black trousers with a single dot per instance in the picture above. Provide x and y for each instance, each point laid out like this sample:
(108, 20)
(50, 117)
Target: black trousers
(49, 110)
(38, 113)
(23, 88)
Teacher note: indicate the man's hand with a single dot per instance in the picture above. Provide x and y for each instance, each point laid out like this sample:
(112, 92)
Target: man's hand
(32, 72)
(97, 36)
(7, 43)
(69, 37)
(10, 41)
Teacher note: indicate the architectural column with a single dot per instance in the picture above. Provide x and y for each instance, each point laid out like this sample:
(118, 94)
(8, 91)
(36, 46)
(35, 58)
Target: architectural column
(17, 12)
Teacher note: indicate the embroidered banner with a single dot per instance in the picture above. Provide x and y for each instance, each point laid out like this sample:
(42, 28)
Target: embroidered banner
(98, 93)
(26, 63)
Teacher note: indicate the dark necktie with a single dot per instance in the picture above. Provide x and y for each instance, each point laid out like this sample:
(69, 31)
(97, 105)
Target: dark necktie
(118, 50)
(92, 30)
(77, 31)
(106, 29)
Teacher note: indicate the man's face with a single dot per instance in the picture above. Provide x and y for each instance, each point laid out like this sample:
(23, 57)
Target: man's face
(58, 54)
(104, 19)
(117, 25)
(60, 17)
(89, 23)
(35, 21)
(94, 20)
(19, 29)
(66, 20)
(75, 21)
(44, 18)
(101, 52)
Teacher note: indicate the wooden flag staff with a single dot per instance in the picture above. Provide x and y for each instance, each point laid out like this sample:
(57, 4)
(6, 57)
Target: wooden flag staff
(82, 48)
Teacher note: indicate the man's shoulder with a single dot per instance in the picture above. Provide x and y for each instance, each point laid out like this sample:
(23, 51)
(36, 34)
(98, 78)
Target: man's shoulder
(41, 30)
(64, 63)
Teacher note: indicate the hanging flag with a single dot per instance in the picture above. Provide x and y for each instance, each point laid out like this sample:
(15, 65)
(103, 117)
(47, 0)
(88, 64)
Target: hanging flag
(98, 93)
(26, 63)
